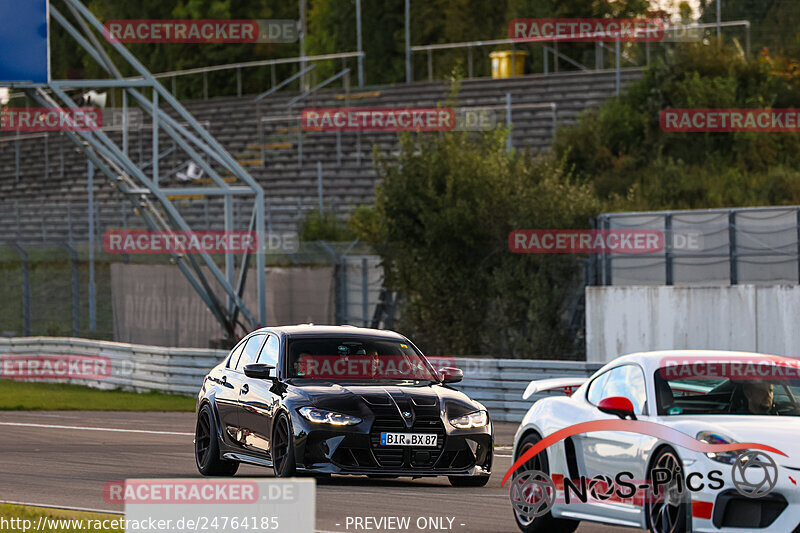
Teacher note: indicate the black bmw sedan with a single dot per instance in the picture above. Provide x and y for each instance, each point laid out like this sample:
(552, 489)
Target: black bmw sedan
(321, 400)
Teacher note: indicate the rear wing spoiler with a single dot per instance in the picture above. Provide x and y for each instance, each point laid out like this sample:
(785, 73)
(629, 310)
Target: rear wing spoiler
(542, 385)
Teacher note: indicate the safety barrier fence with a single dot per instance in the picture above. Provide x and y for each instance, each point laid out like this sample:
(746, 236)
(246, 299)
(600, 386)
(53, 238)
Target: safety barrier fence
(497, 383)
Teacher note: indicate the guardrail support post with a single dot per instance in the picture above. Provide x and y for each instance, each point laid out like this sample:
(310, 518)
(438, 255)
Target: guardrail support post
(607, 278)
(408, 40)
(238, 82)
(747, 38)
(260, 133)
(668, 253)
(156, 154)
(92, 303)
(205, 85)
(430, 65)
(61, 152)
(299, 144)
(598, 56)
(319, 187)
(365, 291)
(469, 61)
(76, 317)
(16, 156)
(359, 45)
(555, 56)
(797, 214)
(26, 291)
(46, 155)
(617, 53)
(509, 142)
(732, 247)
(546, 68)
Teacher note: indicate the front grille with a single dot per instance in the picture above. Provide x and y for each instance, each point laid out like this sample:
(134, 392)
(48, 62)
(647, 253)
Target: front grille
(353, 457)
(426, 420)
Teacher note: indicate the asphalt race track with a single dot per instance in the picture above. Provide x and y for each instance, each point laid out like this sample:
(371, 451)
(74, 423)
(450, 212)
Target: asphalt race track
(46, 461)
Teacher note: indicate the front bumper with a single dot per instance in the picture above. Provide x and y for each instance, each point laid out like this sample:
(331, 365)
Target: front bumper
(727, 511)
(357, 450)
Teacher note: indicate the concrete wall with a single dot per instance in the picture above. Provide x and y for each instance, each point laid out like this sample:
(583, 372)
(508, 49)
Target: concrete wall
(752, 318)
(155, 304)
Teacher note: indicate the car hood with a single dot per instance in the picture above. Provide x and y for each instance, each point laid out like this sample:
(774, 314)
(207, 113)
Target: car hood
(780, 432)
(358, 398)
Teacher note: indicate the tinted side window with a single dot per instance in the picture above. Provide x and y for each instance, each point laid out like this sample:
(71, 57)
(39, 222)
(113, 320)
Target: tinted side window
(269, 353)
(235, 353)
(250, 352)
(627, 381)
(595, 393)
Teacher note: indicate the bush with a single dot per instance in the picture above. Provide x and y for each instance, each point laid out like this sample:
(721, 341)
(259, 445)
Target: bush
(324, 226)
(622, 151)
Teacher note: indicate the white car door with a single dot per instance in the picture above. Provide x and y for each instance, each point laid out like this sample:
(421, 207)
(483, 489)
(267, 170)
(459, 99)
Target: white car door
(607, 453)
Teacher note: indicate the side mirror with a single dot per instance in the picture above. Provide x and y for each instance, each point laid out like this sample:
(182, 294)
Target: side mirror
(451, 375)
(258, 371)
(617, 405)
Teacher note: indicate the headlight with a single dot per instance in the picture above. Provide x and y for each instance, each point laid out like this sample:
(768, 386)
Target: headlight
(478, 419)
(710, 437)
(321, 416)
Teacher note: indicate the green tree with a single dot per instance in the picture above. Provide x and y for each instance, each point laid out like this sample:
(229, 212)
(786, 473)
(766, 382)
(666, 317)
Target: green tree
(621, 150)
(443, 214)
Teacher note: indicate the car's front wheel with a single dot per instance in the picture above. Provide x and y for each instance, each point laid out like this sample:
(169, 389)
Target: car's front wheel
(668, 511)
(523, 513)
(206, 447)
(282, 446)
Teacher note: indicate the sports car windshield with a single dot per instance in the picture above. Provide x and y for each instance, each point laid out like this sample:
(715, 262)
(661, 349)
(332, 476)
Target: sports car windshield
(765, 397)
(348, 359)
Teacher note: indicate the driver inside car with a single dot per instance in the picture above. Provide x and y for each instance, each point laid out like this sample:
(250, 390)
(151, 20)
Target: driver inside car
(759, 397)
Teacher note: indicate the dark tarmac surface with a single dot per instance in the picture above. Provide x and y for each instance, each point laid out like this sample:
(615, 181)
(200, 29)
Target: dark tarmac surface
(63, 466)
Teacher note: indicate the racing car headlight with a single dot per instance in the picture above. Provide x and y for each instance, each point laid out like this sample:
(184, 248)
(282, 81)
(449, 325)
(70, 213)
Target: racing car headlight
(710, 437)
(478, 419)
(321, 416)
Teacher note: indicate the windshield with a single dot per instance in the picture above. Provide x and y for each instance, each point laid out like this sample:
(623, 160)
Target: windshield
(348, 359)
(699, 396)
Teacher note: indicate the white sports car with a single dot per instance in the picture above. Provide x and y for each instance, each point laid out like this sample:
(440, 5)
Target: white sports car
(659, 471)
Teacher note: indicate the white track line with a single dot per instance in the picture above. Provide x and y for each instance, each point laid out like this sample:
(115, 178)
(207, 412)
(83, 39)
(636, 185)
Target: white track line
(64, 507)
(86, 428)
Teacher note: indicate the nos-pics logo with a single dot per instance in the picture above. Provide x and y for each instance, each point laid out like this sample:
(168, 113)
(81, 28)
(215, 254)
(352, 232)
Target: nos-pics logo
(533, 492)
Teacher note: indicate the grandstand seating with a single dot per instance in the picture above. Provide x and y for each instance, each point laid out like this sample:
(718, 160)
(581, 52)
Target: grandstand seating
(33, 202)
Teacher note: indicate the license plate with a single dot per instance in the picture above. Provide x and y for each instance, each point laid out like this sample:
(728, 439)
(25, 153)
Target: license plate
(408, 439)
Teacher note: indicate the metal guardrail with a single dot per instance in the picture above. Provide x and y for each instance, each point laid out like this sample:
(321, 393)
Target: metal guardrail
(302, 60)
(619, 54)
(497, 383)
